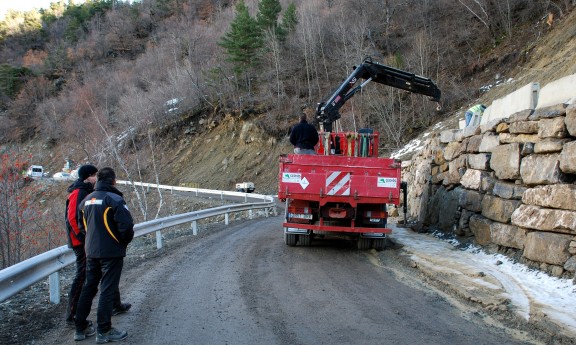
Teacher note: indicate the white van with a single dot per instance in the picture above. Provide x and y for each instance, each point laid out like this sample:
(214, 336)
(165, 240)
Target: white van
(35, 171)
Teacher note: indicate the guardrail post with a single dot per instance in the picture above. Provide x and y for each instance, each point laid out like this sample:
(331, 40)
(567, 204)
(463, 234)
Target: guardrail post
(194, 228)
(158, 239)
(54, 283)
(171, 190)
(226, 218)
(196, 191)
(222, 196)
(250, 214)
(245, 197)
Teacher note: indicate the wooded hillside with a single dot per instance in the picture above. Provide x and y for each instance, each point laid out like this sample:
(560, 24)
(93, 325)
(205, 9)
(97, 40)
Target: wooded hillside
(84, 72)
(204, 91)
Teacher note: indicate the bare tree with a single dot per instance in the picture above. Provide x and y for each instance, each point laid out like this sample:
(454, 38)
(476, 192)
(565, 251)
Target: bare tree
(113, 148)
(19, 238)
(389, 115)
(310, 33)
(479, 9)
(273, 57)
(495, 16)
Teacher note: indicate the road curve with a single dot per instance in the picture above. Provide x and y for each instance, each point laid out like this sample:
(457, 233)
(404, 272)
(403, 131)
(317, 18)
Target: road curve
(242, 285)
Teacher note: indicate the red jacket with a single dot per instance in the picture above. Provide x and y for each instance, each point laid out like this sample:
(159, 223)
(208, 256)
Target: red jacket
(77, 192)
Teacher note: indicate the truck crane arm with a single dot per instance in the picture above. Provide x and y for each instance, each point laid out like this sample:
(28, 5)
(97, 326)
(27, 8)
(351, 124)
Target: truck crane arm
(328, 111)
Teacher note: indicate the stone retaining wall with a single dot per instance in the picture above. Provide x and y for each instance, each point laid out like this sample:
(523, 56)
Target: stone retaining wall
(509, 182)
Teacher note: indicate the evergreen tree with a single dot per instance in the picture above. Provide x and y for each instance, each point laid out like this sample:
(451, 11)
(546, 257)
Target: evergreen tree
(289, 19)
(26, 23)
(243, 41)
(268, 11)
(11, 79)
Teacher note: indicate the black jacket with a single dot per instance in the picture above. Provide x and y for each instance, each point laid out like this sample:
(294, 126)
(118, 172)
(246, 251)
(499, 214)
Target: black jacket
(108, 222)
(77, 191)
(304, 135)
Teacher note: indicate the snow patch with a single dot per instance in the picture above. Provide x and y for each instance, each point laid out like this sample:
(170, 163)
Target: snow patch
(530, 292)
(413, 146)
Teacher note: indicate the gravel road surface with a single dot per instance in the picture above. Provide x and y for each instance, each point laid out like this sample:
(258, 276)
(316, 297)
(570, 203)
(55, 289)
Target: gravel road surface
(242, 285)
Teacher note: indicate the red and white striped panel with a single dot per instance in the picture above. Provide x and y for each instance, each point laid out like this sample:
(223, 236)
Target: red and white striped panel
(338, 183)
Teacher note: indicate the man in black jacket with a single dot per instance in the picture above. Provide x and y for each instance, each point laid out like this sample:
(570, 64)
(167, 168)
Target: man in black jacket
(109, 229)
(304, 137)
(77, 191)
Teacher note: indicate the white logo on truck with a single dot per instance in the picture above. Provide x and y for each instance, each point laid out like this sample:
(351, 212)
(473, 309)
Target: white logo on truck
(291, 177)
(387, 182)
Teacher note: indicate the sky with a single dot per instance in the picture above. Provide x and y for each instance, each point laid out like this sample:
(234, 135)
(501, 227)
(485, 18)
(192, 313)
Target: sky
(26, 5)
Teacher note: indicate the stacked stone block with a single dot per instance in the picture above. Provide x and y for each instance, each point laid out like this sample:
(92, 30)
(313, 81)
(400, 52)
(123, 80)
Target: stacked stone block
(510, 182)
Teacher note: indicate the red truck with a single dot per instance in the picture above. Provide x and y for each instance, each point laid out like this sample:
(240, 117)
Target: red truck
(343, 191)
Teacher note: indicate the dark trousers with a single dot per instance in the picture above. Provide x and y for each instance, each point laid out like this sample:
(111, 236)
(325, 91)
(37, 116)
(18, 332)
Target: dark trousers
(77, 283)
(106, 273)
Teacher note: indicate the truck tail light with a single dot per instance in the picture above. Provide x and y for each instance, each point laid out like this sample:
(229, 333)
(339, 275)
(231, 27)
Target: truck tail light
(300, 214)
(305, 210)
(375, 214)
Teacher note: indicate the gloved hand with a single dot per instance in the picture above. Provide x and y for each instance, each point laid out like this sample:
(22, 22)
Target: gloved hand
(81, 236)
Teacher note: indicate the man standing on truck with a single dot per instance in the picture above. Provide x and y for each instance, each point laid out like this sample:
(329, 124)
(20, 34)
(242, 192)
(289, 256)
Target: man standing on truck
(304, 137)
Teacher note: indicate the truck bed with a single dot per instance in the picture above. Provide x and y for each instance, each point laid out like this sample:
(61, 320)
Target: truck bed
(353, 180)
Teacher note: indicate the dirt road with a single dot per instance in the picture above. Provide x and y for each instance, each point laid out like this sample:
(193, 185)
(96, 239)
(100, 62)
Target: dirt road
(242, 285)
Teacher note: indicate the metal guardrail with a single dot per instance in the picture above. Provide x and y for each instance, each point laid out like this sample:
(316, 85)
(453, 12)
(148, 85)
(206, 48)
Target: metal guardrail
(22, 275)
(200, 191)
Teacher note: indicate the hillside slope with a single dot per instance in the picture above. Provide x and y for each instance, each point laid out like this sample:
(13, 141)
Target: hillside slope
(238, 150)
(233, 151)
(216, 150)
(527, 59)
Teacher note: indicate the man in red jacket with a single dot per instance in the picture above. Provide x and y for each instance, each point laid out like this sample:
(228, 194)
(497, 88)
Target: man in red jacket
(77, 191)
(109, 229)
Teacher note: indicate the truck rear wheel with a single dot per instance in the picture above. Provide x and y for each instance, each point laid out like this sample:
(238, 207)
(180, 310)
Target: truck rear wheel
(305, 240)
(290, 239)
(379, 243)
(364, 243)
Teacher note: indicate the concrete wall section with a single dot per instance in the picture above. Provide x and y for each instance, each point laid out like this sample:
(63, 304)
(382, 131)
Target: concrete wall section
(524, 98)
(557, 92)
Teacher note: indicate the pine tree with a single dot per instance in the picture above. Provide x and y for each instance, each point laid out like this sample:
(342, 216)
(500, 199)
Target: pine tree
(268, 11)
(243, 41)
(289, 19)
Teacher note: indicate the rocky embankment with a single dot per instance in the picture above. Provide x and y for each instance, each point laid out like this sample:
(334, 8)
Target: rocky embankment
(508, 183)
